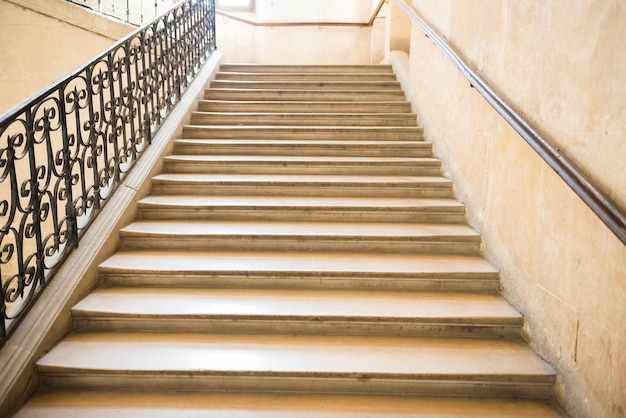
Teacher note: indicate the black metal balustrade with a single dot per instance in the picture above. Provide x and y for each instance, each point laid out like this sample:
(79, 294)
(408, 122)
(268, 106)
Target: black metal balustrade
(65, 150)
(135, 12)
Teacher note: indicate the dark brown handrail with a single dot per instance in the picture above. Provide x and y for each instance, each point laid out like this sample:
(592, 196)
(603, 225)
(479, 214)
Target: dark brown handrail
(295, 24)
(605, 208)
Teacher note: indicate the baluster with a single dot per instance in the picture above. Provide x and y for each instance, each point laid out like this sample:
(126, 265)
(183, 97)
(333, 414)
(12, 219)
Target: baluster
(34, 204)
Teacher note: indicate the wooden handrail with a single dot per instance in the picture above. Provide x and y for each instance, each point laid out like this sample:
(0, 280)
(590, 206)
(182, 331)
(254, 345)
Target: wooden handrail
(376, 12)
(604, 207)
(294, 24)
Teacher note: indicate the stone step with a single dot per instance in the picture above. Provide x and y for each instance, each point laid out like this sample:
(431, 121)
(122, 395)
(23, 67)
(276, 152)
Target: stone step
(293, 270)
(306, 85)
(295, 363)
(305, 95)
(141, 404)
(303, 106)
(303, 119)
(300, 236)
(345, 133)
(313, 312)
(303, 147)
(302, 185)
(273, 68)
(299, 76)
(255, 164)
(299, 208)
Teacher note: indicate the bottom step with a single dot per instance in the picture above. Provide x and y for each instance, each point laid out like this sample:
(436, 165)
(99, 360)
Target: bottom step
(245, 405)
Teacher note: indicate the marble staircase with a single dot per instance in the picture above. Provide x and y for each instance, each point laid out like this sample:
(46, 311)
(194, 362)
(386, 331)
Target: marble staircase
(300, 255)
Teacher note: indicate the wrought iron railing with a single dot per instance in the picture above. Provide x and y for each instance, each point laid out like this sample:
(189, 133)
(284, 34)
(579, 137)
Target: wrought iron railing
(65, 150)
(135, 12)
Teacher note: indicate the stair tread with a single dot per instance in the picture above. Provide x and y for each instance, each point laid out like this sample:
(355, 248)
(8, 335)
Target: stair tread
(306, 89)
(449, 205)
(242, 261)
(299, 355)
(244, 73)
(324, 95)
(310, 142)
(299, 77)
(313, 119)
(403, 115)
(183, 229)
(305, 159)
(317, 103)
(299, 178)
(307, 85)
(313, 128)
(306, 68)
(291, 132)
(140, 404)
(318, 304)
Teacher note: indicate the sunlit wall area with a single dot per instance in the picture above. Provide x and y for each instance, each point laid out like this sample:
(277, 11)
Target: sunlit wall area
(301, 31)
(42, 41)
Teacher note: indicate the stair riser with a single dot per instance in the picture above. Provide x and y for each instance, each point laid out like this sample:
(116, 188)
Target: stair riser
(306, 69)
(297, 214)
(304, 150)
(261, 189)
(304, 107)
(298, 243)
(311, 120)
(297, 85)
(308, 95)
(234, 167)
(307, 326)
(444, 282)
(294, 133)
(291, 77)
(514, 386)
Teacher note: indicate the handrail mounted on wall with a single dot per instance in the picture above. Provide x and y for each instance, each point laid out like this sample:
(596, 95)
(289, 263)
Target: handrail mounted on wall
(606, 209)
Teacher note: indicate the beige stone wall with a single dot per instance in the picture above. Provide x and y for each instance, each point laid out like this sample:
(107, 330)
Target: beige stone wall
(399, 30)
(378, 34)
(36, 48)
(561, 64)
(241, 42)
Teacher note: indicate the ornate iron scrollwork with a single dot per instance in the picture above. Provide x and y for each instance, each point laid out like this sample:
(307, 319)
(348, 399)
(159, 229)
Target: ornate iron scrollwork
(64, 152)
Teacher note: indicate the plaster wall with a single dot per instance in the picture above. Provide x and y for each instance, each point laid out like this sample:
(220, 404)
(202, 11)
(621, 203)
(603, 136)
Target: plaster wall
(561, 64)
(399, 30)
(320, 44)
(36, 48)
